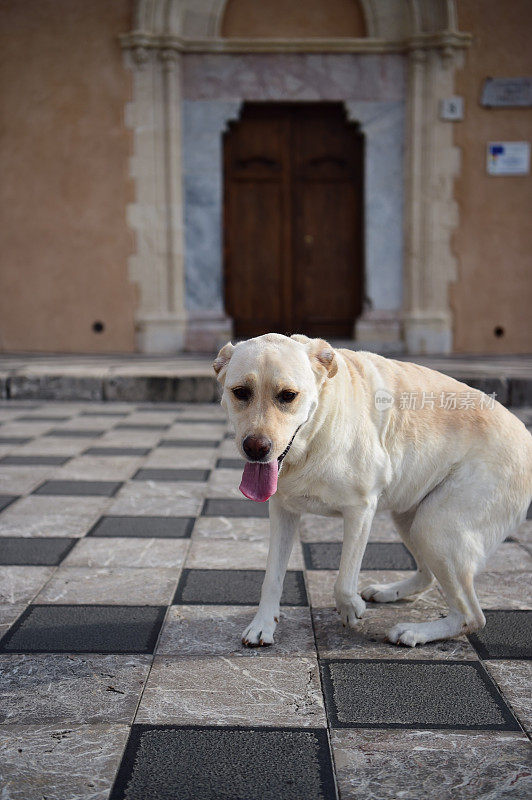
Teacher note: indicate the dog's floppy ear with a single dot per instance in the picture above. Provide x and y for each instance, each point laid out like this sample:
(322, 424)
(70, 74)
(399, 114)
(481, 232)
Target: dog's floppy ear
(322, 357)
(222, 360)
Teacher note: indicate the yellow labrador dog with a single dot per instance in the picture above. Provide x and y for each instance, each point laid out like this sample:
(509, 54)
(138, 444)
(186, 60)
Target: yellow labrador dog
(343, 433)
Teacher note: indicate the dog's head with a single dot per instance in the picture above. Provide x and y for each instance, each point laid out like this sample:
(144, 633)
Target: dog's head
(271, 386)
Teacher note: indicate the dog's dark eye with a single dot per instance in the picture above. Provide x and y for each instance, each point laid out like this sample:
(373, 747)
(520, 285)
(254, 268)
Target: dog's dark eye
(242, 392)
(286, 396)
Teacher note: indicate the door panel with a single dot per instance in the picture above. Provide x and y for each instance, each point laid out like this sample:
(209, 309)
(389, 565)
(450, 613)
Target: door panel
(293, 185)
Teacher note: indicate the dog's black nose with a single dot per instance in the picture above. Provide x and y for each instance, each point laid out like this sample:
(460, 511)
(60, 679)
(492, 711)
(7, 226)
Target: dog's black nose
(257, 447)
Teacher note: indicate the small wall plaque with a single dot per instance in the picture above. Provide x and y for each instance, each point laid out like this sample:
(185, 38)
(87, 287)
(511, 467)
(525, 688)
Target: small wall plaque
(452, 108)
(508, 158)
(507, 93)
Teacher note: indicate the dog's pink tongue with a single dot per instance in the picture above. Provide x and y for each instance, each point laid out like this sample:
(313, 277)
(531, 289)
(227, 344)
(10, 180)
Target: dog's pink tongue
(259, 481)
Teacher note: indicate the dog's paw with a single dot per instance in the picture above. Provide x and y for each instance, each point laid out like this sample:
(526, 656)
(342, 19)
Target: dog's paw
(405, 633)
(380, 593)
(259, 633)
(351, 609)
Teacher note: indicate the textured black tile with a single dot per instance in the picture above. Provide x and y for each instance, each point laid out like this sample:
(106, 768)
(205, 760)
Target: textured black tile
(137, 426)
(230, 463)
(77, 433)
(13, 440)
(165, 762)
(44, 551)
(529, 512)
(234, 587)
(200, 420)
(214, 507)
(144, 527)
(150, 408)
(117, 451)
(378, 555)
(161, 474)
(104, 414)
(211, 443)
(79, 488)
(7, 499)
(34, 461)
(42, 418)
(413, 694)
(84, 629)
(508, 634)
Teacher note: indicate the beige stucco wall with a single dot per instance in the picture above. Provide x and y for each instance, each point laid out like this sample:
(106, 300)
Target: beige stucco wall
(64, 155)
(493, 241)
(286, 19)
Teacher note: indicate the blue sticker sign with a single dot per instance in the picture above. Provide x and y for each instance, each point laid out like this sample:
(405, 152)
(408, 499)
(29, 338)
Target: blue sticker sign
(508, 158)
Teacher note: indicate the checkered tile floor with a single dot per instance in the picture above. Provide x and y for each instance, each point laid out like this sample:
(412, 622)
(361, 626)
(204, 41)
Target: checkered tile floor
(129, 566)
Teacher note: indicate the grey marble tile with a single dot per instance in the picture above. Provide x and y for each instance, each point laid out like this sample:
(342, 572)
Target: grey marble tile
(69, 689)
(127, 552)
(21, 480)
(44, 445)
(524, 533)
(228, 449)
(166, 499)
(282, 691)
(149, 586)
(217, 630)
(183, 430)
(103, 468)
(447, 765)
(9, 613)
(368, 640)
(21, 584)
(314, 528)
(510, 557)
(192, 457)
(514, 679)
(226, 554)
(76, 762)
(244, 529)
(121, 438)
(225, 483)
(504, 589)
(320, 583)
(51, 516)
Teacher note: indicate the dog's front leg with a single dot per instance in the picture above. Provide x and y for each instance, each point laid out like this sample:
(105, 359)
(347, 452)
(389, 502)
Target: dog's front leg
(357, 525)
(283, 526)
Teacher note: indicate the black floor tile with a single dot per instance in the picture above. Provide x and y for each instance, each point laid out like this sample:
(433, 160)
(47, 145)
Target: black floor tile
(413, 694)
(508, 634)
(117, 451)
(84, 629)
(378, 555)
(7, 499)
(160, 474)
(210, 443)
(13, 440)
(45, 551)
(75, 433)
(165, 762)
(79, 488)
(42, 418)
(34, 461)
(137, 426)
(529, 512)
(200, 421)
(234, 587)
(214, 507)
(230, 463)
(144, 527)
(104, 414)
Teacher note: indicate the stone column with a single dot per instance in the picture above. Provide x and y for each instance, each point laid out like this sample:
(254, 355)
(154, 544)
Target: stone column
(430, 210)
(157, 267)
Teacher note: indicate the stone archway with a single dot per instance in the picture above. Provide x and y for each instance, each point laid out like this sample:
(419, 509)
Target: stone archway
(166, 30)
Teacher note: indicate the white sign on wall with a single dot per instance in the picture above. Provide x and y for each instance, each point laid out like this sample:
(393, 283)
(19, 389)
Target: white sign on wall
(508, 158)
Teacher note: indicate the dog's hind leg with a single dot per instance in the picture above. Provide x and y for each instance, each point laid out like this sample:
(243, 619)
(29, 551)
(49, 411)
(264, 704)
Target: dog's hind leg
(421, 580)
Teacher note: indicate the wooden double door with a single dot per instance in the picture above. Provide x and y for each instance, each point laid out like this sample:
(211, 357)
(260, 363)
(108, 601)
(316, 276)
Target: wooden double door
(293, 220)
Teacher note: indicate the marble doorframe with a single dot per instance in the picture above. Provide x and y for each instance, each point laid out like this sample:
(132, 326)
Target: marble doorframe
(164, 33)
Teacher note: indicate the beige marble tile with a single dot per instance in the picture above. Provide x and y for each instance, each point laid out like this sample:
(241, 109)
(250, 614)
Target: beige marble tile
(514, 679)
(283, 691)
(197, 430)
(504, 589)
(162, 498)
(524, 532)
(127, 552)
(368, 640)
(9, 613)
(225, 483)
(120, 585)
(181, 457)
(314, 528)
(123, 437)
(21, 480)
(238, 529)
(69, 689)
(217, 630)
(510, 557)
(444, 765)
(228, 449)
(320, 583)
(224, 554)
(21, 584)
(51, 516)
(57, 762)
(104, 468)
(50, 446)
